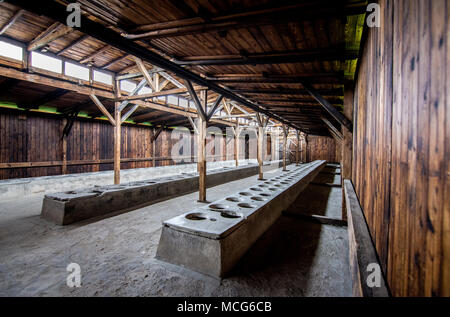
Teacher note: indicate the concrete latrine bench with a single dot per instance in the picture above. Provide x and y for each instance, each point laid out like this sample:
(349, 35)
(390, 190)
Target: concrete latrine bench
(73, 206)
(213, 238)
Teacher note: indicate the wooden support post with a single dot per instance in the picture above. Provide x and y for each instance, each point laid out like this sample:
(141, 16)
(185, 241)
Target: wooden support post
(201, 159)
(347, 145)
(297, 153)
(285, 135)
(260, 151)
(154, 149)
(237, 131)
(117, 136)
(64, 149)
(117, 141)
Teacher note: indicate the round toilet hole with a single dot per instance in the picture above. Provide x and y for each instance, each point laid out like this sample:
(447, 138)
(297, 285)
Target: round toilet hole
(218, 206)
(256, 198)
(245, 205)
(196, 216)
(230, 214)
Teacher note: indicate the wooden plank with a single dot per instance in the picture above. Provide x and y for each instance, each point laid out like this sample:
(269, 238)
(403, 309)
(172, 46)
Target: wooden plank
(347, 143)
(197, 102)
(201, 158)
(102, 108)
(361, 249)
(11, 21)
(329, 107)
(175, 91)
(145, 73)
(55, 31)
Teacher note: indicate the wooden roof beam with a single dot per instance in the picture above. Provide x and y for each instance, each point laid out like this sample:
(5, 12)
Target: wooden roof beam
(319, 9)
(317, 55)
(329, 108)
(55, 31)
(73, 44)
(288, 92)
(115, 61)
(11, 21)
(57, 12)
(332, 128)
(102, 108)
(175, 91)
(95, 54)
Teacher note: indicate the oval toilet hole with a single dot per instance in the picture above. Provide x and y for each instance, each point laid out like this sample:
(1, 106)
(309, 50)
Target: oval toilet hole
(245, 205)
(265, 195)
(230, 214)
(196, 216)
(262, 185)
(256, 189)
(233, 199)
(256, 198)
(273, 189)
(218, 206)
(245, 194)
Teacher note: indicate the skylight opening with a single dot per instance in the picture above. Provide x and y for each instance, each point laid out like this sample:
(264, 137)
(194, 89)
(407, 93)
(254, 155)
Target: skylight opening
(11, 51)
(76, 71)
(127, 85)
(173, 100)
(103, 78)
(46, 62)
(145, 90)
(183, 102)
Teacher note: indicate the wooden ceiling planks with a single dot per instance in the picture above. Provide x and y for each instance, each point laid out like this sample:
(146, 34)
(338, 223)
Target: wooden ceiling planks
(331, 30)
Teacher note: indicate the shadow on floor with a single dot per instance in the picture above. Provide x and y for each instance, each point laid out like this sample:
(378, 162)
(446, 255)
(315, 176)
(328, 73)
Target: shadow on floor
(318, 199)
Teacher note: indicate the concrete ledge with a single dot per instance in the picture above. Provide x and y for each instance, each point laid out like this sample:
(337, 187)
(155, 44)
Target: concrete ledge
(362, 251)
(72, 206)
(213, 238)
(22, 187)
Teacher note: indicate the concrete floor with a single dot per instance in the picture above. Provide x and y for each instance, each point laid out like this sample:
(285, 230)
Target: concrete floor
(116, 254)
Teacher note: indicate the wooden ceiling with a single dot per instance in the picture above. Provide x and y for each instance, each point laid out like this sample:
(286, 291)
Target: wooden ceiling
(262, 50)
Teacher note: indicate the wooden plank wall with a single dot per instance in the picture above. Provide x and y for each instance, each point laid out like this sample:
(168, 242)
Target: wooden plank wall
(37, 138)
(401, 152)
(322, 148)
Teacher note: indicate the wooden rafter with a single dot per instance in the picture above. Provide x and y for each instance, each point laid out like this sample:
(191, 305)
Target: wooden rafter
(95, 54)
(115, 61)
(11, 21)
(102, 108)
(332, 128)
(145, 73)
(295, 12)
(329, 108)
(55, 31)
(198, 104)
(73, 44)
(316, 55)
(214, 108)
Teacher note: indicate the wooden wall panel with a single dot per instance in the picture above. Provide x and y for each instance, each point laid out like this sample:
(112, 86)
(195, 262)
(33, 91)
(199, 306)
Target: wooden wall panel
(401, 144)
(322, 148)
(36, 138)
